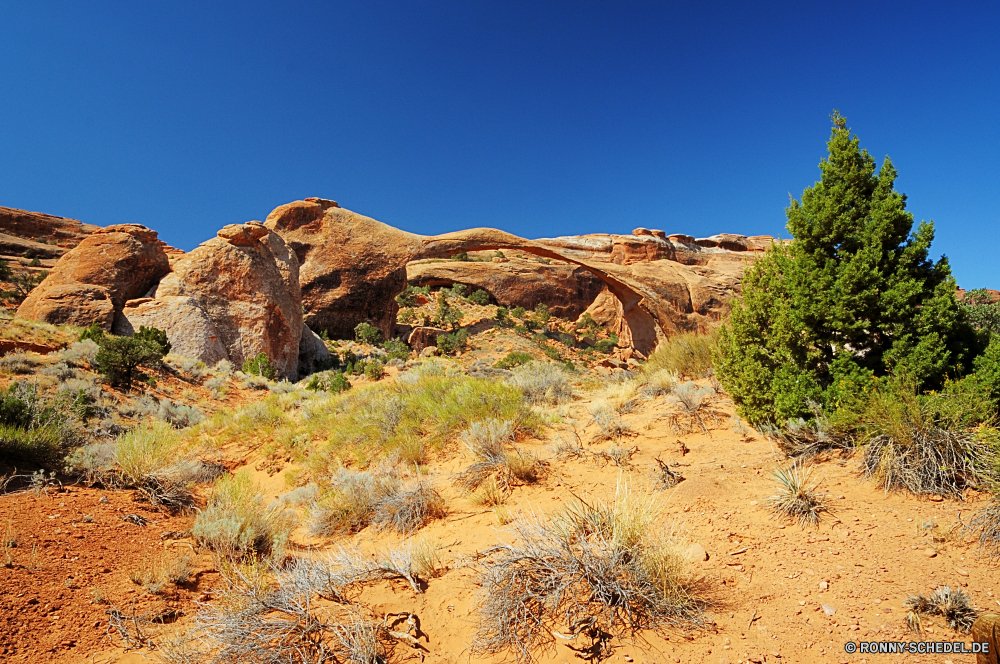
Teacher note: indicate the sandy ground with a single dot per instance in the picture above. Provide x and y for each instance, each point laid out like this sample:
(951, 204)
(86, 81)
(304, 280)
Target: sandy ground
(778, 593)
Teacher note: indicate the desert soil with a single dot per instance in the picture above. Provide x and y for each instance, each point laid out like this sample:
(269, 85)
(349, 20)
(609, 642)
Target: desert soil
(778, 593)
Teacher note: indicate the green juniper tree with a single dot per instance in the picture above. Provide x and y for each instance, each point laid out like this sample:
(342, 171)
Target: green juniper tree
(854, 296)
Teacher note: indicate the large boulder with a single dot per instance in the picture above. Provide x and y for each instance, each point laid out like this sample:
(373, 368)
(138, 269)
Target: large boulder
(120, 262)
(244, 282)
(566, 289)
(351, 267)
(313, 354)
(189, 329)
(986, 629)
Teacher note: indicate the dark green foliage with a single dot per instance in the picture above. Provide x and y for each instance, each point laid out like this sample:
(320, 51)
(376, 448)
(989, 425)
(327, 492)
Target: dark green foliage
(15, 408)
(339, 383)
(551, 353)
(502, 315)
(479, 297)
(407, 316)
(607, 345)
(453, 342)
(987, 371)
(459, 290)
(95, 333)
(260, 366)
(119, 358)
(23, 283)
(512, 360)
(530, 323)
(983, 313)
(588, 323)
(408, 298)
(853, 297)
(5, 272)
(30, 429)
(374, 371)
(464, 257)
(367, 333)
(542, 313)
(397, 349)
(498, 254)
(447, 315)
(517, 312)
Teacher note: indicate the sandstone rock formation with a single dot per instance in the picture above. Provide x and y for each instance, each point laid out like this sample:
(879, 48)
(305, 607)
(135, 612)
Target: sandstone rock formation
(245, 283)
(189, 329)
(351, 267)
(313, 353)
(565, 288)
(92, 281)
(56, 233)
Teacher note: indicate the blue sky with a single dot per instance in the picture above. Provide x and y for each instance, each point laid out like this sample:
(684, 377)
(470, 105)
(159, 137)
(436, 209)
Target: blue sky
(538, 118)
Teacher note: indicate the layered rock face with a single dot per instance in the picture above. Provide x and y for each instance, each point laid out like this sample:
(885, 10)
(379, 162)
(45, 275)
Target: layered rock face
(566, 289)
(92, 281)
(351, 267)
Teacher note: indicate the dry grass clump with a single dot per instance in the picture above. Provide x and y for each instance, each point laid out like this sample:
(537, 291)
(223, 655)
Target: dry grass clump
(693, 403)
(591, 570)
(686, 354)
(953, 605)
(608, 421)
(18, 362)
(154, 578)
(986, 522)
(497, 459)
(32, 331)
(542, 383)
(238, 523)
(664, 477)
(378, 496)
(797, 498)
(271, 615)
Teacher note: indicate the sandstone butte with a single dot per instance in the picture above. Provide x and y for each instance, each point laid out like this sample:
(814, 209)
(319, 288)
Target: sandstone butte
(312, 266)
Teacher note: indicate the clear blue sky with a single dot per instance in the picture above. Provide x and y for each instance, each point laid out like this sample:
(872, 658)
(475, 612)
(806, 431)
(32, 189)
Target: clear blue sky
(538, 118)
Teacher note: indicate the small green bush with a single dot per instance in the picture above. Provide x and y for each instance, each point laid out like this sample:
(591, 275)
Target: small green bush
(453, 342)
(407, 316)
(686, 354)
(339, 383)
(397, 349)
(374, 371)
(480, 297)
(502, 315)
(513, 359)
(447, 315)
(542, 313)
(119, 358)
(607, 345)
(518, 312)
(463, 257)
(367, 333)
(95, 333)
(260, 366)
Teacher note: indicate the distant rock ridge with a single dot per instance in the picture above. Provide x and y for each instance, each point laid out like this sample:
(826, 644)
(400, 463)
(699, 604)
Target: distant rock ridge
(314, 266)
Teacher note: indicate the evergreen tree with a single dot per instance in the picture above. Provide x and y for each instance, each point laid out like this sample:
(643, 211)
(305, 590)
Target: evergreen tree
(852, 297)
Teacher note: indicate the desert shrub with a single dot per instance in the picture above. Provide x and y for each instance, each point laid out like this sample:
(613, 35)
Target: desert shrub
(374, 371)
(238, 523)
(452, 342)
(272, 613)
(186, 365)
(259, 366)
(657, 382)
(541, 383)
(607, 345)
(179, 415)
(590, 570)
(407, 316)
(367, 333)
(397, 349)
(80, 353)
(339, 383)
(693, 404)
(854, 296)
(609, 423)
(94, 332)
(518, 312)
(217, 386)
(282, 387)
(502, 316)
(952, 605)
(18, 362)
(32, 428)
(986, 524)
(146, 450)
(797, 498)
(498, 462)
(119, 358)
(513, 359)
(383, 417)
(542, 315)
(39, 445)
(252, 382)
(479, 297)
(447, 315)
(408, 298)
(686, 354)
(222, 369)
(379, 497)
(60, 371)
(982, 312)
